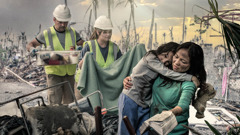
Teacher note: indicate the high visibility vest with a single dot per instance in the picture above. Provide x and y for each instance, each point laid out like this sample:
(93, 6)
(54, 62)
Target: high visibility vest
(52, 40)
(97, 55)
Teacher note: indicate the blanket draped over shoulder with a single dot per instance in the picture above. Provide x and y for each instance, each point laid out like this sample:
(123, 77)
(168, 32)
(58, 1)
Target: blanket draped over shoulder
(109, 81)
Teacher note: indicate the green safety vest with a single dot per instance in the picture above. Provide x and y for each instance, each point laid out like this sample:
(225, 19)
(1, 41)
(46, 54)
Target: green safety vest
(52, 40)
(97, 55)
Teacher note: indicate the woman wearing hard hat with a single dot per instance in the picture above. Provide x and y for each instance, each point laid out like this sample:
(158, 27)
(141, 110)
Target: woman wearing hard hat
(104, 51)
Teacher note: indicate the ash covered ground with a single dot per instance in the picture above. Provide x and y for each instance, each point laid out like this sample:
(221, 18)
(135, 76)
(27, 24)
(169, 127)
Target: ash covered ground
(13, 88)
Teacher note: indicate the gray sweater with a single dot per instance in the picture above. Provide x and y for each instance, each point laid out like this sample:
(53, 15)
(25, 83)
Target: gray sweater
(143, 76)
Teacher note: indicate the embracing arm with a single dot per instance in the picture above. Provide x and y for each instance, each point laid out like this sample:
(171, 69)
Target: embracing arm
(188, 90)
(159, 67)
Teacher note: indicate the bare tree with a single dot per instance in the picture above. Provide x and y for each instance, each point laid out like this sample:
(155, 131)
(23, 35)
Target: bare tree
(132, 3)
(122, 41)
(183, 21)
(94, 5)
(92, 8)
(132, 17)
(127, 43)
(65, 1)
(110, 4)
(89, 24)
(164, 36)
(156, 33)
(185, 32)
(109, 8)
(171, 33)
(150, 33)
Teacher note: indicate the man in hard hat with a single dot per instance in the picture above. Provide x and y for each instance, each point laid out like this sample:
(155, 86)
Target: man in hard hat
(58, 38)
(105, 52)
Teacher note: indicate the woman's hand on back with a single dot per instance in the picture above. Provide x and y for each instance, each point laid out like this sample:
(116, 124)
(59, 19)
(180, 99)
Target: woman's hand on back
(127, 83)
(195, 81)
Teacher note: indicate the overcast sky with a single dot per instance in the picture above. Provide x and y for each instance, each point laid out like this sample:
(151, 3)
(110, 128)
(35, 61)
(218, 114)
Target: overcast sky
(25, 15)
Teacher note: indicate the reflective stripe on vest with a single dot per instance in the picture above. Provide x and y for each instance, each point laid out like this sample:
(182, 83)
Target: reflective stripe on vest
(97, 55)
(52, 40)
(92, 46)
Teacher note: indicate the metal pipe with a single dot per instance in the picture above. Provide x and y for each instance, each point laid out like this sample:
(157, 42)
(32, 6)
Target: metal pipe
(129, 126)
(98, 120)
(100, 95)
(75, 100)
(22, 111)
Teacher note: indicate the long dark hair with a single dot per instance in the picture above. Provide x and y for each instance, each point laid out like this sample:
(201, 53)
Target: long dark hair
(167, 47)
(196, 56)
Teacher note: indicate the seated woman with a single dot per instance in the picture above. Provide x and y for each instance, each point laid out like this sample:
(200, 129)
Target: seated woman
(169, 95)
(176, 96)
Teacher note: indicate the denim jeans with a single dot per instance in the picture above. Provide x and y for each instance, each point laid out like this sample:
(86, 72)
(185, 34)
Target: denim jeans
(135, 113)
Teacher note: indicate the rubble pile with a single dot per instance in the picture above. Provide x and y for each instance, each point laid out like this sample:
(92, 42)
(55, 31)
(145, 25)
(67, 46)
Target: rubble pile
(12, 125)
(27, 69)
(48, 120)
(232, 106)
(216, 107)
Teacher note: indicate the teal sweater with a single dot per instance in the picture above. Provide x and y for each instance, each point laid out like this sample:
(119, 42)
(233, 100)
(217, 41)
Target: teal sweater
(169, 96)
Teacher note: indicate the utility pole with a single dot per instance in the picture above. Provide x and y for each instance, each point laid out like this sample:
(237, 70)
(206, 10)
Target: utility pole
(156, 33)
(183, 21)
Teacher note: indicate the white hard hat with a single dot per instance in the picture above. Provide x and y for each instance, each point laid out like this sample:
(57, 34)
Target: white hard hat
(62, 13)
(103, 23)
